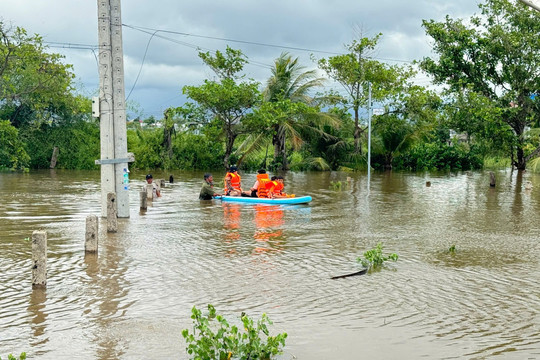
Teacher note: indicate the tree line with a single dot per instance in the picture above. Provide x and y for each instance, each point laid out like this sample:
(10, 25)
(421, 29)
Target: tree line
(487, 108)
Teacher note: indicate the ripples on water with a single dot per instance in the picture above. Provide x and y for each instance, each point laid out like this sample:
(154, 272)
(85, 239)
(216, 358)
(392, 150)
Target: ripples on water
(133, 299)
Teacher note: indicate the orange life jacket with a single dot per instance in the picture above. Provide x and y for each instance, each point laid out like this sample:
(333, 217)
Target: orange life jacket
(274, 187)
(235, 181)
(262, 191)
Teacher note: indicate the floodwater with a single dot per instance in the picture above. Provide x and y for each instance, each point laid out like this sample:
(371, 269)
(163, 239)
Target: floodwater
(133, 299)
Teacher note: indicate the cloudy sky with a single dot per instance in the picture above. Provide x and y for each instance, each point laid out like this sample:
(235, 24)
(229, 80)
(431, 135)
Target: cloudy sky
(261, 29)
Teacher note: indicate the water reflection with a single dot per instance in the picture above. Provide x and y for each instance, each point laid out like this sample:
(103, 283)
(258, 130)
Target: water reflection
(36, 308)
(268, 232)
(232, 217)
(106, 277)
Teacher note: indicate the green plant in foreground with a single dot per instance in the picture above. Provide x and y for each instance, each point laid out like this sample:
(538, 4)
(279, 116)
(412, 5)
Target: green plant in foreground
(221, 341)
(21, 357)
(452, 249)
(374, 258)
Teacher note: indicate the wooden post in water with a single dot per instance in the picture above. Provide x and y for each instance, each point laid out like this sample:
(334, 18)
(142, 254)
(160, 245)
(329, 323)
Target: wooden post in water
(54, 157)
(142, 196)
(171, 179)
(112, 215)
(91, 238)
(428, 183)
(491, 179)
(39, 259)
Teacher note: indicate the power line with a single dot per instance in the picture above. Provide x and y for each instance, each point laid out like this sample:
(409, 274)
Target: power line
(233, 40)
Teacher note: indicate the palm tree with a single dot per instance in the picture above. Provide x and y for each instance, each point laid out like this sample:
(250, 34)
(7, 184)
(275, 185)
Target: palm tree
(289, 83)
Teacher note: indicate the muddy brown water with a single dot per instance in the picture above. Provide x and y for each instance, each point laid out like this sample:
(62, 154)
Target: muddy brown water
(133, 299)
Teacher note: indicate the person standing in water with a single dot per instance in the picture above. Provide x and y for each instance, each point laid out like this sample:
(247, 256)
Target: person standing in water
(207, 190)
(155, 189)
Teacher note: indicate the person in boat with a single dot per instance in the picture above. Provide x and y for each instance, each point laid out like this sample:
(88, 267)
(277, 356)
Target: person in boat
(259, 187)
(275, 187)
(155, 189)
(207, 190)
(233, 182)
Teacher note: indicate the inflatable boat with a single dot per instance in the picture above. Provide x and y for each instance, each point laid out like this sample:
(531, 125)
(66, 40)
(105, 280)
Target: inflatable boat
(276, 201)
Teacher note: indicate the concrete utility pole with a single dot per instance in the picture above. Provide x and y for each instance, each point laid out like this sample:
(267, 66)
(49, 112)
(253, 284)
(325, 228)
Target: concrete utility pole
(369, 135)
(112, 110)
(535, 4)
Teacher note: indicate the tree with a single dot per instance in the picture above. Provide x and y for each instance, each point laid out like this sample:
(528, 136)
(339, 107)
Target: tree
(288, 100)
(354, 71)
(410, 111)
(35, 86)
(496, 56)
(230, 99)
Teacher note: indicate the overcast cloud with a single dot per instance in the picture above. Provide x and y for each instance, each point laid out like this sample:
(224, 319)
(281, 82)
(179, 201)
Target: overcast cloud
(321, 26)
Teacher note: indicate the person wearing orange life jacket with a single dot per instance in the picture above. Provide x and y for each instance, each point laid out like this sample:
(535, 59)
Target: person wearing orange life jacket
(233, 182)
(259, 186)
(275, 187)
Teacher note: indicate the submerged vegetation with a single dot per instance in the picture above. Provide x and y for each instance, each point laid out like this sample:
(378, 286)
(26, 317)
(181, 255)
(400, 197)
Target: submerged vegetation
(214, 338)
(11, 357)
(487, 116)
(374, 258)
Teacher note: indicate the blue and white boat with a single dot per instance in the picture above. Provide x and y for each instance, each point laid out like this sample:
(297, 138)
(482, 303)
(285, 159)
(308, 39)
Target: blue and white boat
(276, 201)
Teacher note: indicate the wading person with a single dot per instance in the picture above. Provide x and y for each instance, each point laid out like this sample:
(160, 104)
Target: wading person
(155, 190)
(207, 190)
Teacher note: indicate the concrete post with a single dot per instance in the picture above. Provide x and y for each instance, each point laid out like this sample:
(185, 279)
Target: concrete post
(112, 223)
(491, 179)
(39, 259)
(149, 192)
(91, 239)
(142, 196)
(161, 184)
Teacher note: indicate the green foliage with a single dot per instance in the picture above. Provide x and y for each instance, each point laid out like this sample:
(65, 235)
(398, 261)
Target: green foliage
(441, 156)
(375, 258)
(13, 156)
(213, 338)
(452, 249)
(11, 357)
(35, 86)
(78, 143)
(491, 59)
(228, 101)
(189, 150)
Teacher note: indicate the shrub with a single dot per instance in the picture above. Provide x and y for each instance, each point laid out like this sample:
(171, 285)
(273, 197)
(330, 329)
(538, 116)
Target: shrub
(374, 258)
(228, 342)
(13, 156)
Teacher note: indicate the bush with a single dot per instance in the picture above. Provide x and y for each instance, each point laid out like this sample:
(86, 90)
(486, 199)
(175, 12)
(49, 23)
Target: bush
(228, 342)
(441, 156)
(78, 144)
(13, 156)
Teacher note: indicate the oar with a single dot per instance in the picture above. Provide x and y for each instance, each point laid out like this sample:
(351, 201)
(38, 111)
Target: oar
(361, 272)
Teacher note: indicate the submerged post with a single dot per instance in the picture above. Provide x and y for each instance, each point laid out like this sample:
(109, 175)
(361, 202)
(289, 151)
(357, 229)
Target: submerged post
(149, 192)
(39, 259)
(491, 179)
(142, 196)
(112, 215)
(91, 238)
